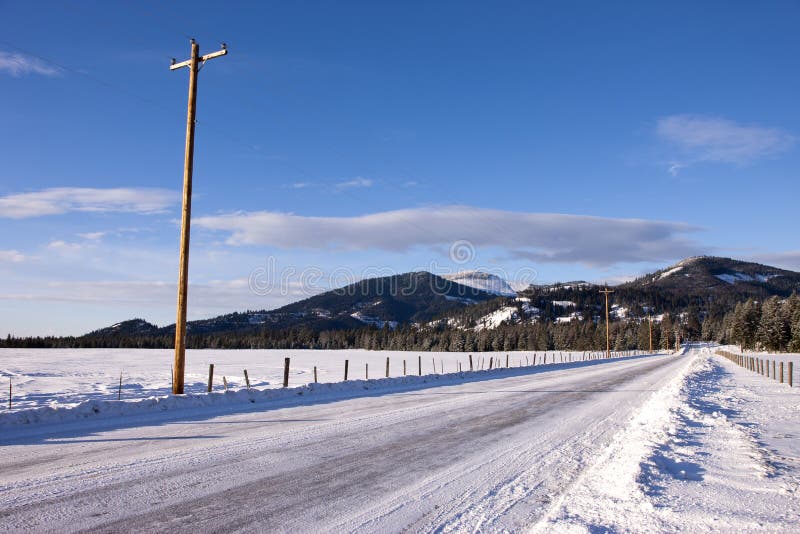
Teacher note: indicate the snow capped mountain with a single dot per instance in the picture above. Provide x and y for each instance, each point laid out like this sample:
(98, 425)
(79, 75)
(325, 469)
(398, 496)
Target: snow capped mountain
(713, 275)
(484, 281)
(471, 300)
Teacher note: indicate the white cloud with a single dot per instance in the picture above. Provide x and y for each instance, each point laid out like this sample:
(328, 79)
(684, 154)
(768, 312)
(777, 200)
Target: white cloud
(356, 183)
(11, 256)
(704, 138)
(675, 167)
(61, 200)
(544, 237)
(17, 65)
(64, 246)
(93, 236)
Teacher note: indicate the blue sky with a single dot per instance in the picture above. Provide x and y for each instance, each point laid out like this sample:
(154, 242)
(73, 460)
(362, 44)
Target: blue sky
(545, 141)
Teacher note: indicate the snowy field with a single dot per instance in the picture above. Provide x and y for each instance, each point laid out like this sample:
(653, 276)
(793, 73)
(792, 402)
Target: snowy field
(658, 443)
(67, 377)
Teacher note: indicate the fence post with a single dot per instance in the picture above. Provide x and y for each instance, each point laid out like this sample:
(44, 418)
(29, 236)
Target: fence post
(781, 372)
(286, 372)
(210, 377)
(225, 382)
(404, 368)
(790, 373)
(773, 370)
(119, 391)
(491, 360)
(387, 367)
(506, 360)
(9, 392)
(246, 379)
(346, 363)
(419, 365)
(433, 361)
(315, 374)
(366, 371)
(470, 362)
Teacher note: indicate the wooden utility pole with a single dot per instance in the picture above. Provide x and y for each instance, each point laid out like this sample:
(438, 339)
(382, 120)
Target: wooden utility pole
(651, 333)
(606, 292)
(194, 63)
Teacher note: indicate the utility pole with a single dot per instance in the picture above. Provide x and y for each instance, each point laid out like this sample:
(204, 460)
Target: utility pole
(194, 63)
(651, 333)
(606, 292)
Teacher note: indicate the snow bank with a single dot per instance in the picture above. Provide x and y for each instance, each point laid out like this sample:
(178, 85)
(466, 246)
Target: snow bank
(711, 451)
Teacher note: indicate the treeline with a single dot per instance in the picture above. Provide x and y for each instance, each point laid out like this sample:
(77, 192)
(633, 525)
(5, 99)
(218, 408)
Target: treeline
(576, 335)
(772, 325)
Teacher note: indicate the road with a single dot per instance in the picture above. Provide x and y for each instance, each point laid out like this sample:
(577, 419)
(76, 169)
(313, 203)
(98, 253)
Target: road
(487, 455)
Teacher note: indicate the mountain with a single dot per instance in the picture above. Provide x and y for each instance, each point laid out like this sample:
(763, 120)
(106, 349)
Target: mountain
(388, 301)
(714, 276)
(131, 327)
(474, 300)
(484, 281)
(410, 297)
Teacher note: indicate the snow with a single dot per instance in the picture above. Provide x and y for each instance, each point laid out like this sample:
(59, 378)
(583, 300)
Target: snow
(63, 378)
(518, 286)
(509, 314)
(564, 303)
(662, 443)
(484, 281)
(416, 453)
(714, 450)
(670, 272)
(742, 277)
(375, 321)
(496, 318)
(574, 316)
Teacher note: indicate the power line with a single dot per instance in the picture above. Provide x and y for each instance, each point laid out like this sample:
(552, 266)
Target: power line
(84, 74)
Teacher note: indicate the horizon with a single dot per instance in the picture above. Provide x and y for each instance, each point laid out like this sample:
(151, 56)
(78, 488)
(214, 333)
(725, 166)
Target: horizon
(551, 143)
(447, 276)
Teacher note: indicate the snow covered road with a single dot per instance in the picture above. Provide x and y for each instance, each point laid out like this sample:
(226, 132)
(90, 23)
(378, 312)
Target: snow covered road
(488, 455)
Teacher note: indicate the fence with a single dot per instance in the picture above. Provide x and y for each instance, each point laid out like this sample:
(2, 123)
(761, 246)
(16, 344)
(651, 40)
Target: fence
(761, 366)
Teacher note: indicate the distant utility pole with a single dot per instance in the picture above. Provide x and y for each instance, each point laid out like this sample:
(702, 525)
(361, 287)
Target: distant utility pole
(606, 292)
(651, 332)
(194, 63)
